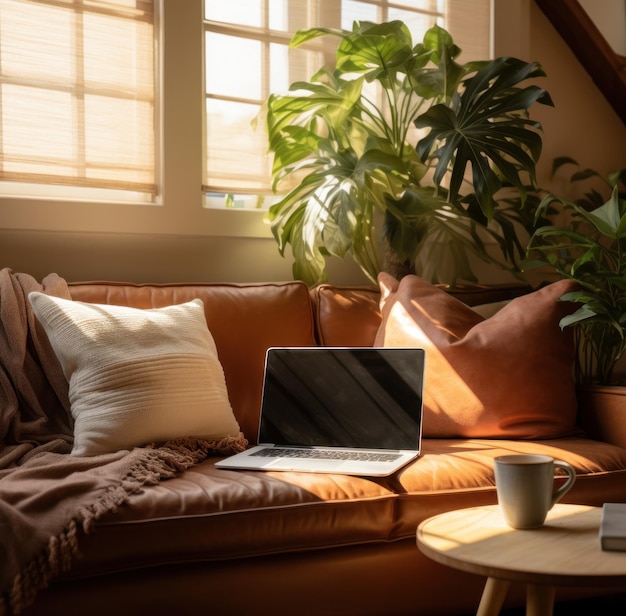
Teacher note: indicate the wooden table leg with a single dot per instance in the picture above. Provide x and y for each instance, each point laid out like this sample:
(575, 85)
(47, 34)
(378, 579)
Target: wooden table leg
(539, 600)
(493, 597)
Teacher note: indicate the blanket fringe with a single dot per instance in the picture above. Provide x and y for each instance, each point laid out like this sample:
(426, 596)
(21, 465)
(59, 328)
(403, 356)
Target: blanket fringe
(153, 464)
(160, 463)
(61, 550)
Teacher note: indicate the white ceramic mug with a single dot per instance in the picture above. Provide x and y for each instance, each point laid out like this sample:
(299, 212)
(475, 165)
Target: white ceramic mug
(526, 488)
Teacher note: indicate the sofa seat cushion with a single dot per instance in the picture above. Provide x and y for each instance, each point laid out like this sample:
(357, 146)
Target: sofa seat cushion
(454, 474)
(244, 319)
(208, 514)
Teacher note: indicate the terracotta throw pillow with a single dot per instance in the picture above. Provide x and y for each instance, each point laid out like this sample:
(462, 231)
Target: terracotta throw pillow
(508, 376)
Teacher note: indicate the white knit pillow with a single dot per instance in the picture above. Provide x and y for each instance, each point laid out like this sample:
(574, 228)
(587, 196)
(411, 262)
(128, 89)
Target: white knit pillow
(137, 376)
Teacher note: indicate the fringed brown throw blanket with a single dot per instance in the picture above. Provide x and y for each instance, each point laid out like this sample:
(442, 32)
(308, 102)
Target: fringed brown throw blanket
(46, 494)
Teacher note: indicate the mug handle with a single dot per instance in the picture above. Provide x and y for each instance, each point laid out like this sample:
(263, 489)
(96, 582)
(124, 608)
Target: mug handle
(569, 482)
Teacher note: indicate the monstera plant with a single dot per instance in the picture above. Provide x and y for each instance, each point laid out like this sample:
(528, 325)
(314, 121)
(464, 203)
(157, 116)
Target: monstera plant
(590, 249)
(402, 150)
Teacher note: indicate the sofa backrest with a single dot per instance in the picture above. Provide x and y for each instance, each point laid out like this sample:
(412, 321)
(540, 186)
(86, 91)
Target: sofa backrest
(244, 319)
(350, 315)
(346, 315)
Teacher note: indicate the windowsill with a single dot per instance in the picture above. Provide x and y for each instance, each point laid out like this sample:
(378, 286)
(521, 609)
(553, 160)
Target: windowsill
(123, 218)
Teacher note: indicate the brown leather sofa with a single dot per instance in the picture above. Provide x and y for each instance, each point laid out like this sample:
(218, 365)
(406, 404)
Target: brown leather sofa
(234, 542)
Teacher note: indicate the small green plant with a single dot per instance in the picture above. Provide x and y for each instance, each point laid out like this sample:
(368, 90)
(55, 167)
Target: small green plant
(590, 249)
(357, 180)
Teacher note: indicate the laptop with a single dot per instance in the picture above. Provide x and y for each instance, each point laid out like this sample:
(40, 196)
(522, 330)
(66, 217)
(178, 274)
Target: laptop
(353, 411)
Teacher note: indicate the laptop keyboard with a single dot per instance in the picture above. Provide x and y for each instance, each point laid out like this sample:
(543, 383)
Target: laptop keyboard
(326, 454)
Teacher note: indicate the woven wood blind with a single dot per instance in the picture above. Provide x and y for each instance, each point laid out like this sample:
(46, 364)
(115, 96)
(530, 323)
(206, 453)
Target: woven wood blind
(77, 93)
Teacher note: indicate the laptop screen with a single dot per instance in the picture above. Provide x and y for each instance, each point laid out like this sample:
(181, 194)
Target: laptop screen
(343, 397)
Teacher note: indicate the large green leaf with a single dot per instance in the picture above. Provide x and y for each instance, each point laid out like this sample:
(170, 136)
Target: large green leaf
(376, 52)
(486, 130)
(329, 212)
(582, 314)
(441, 81)
(330, 103)
(608, 219)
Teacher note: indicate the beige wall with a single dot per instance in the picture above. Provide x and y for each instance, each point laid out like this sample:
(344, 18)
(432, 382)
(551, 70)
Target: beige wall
(151, 258)
(582, 125)
(610, 18)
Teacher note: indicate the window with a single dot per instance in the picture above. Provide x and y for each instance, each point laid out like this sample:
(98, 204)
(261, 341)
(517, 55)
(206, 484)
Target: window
(176, 124)
(247, 57)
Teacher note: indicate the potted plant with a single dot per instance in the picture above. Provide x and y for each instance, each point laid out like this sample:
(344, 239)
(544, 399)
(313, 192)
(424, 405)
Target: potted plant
(374, 156)
(590, 249)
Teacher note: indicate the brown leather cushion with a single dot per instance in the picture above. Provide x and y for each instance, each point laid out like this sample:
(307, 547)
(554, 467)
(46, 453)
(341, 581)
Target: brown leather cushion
(346, 316)
(509, 376)
(209, 514)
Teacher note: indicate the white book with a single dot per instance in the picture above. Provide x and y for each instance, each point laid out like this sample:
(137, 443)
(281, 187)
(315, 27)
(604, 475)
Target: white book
(613, 527)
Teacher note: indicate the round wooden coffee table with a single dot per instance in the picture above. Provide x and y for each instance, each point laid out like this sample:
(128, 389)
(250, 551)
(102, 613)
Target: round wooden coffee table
(565, 551)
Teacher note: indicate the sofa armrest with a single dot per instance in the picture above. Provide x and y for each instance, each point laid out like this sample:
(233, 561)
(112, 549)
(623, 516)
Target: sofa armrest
(602, 413)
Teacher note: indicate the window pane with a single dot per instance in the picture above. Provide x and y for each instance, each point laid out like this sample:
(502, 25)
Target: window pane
(241, 156)
(290, 65)
(36, 125)
(35, 53)
(434, 6)
(278, 15)
(111, 42)
(470, 29)
(352, 11)
(124, 121)
(417, 23)
(240, 76)
(243, 12)
(280, 79)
